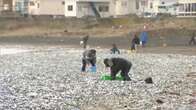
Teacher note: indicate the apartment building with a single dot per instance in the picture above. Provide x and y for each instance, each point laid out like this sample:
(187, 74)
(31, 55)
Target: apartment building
(46, 7)
(187, 8)
(21, 6)
(156, 7)
(99, 8)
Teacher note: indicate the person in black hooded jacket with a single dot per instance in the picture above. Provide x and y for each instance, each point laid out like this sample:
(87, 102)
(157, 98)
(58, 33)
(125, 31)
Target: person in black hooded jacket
(135, 41)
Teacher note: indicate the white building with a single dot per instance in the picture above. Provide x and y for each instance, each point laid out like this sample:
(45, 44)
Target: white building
(6, 5)
(123, 7)
(156, 6)
(167, 6)
(46, 7)
(187, 8)
(99, 8)
(20, 6)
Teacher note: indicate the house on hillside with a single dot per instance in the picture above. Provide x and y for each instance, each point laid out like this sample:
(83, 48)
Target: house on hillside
(123, 7)
(167, 7)
(21, 6)
(46, 7)
(156, 7)
(147, 8)
(81, 8)
(187, 8)
(99, 8)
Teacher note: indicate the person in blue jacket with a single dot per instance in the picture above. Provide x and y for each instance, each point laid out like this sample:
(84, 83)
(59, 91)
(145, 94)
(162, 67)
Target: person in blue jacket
(144, 38)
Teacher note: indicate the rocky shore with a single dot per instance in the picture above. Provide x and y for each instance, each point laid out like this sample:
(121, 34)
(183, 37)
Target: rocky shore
(50, 79)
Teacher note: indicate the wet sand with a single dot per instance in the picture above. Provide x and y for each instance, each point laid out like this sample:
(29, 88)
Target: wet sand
(154, 45)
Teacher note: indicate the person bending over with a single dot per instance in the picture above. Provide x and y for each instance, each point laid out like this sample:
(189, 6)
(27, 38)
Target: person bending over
(89, 57)
(118, 64)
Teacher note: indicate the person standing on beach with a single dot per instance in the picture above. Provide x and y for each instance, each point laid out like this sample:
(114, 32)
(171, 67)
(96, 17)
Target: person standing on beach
(114, 49)
(193, 39)
(144, 35)
(144, 38)
(135, 41)
(84, 41)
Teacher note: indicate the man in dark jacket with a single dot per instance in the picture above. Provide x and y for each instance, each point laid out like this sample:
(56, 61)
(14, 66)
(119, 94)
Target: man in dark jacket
(118, 65)
(135, 41)
(89, 57)
(193, 39)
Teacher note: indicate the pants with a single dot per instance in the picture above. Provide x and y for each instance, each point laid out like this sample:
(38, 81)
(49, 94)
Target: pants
(125, 74)
(143, 43)
(192, 41)
(85, 62)
(84, 45)
(133, 46)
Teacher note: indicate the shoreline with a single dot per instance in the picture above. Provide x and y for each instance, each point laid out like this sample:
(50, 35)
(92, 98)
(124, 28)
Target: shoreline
(183, 50)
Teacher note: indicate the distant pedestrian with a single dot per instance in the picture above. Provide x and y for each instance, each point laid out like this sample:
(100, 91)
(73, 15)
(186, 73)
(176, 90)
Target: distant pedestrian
(114, 49)
(84, 41)
(143, 38)
(193, 39)
(135, 41)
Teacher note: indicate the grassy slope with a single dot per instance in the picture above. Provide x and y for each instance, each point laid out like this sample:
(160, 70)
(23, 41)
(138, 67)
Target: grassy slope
(102, 27)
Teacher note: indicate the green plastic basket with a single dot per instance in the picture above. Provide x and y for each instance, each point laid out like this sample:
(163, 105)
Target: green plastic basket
(108, 77)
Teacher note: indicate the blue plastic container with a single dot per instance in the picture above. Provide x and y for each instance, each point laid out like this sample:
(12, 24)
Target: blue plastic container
(93, 69)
